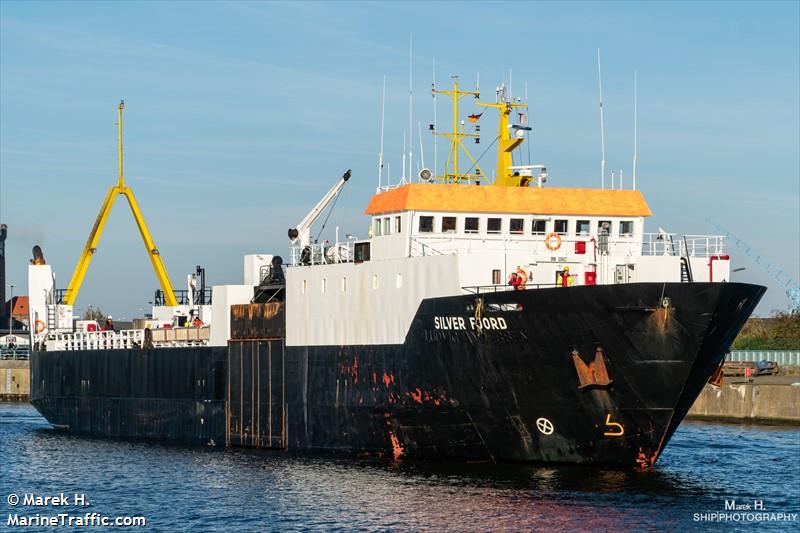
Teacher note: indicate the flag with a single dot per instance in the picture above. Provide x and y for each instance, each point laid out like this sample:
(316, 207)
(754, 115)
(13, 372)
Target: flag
(474, 118)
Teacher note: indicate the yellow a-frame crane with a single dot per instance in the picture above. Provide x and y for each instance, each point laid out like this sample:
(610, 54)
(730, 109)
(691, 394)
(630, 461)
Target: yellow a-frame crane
(97, 230)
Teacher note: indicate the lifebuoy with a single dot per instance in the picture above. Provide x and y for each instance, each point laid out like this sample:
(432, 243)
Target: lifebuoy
(553, 241)
(40, 326)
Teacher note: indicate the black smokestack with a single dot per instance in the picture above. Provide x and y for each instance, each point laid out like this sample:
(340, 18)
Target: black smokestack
(3, 233)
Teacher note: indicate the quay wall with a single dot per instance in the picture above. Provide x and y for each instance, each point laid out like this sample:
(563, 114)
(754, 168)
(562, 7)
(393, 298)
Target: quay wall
(15, 380)
(749, 402)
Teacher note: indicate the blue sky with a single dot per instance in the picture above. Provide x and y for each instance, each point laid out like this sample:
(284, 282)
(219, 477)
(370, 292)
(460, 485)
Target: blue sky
(241, 114)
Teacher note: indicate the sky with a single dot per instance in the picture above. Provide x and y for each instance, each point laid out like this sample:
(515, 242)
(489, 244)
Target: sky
(240, 115)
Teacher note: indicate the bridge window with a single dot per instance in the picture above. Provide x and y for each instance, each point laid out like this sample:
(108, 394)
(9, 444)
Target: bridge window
(626, 228)
(582, 227)
(471, 225)
(397, 224)
(496, 276)
(448, 224)
(426, 224)
(516, 226)
(604, 227)
(386, 228)
(376, 227)
(539, 227)
(561, 227)
(494, 225)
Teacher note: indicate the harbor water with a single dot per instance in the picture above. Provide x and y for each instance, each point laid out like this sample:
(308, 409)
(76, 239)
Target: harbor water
(178, 488)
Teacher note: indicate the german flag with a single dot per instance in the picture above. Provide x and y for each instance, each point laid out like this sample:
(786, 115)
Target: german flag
(474, 118)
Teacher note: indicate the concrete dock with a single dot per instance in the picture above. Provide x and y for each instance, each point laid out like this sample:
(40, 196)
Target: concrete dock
(767, 399)
(15, 380)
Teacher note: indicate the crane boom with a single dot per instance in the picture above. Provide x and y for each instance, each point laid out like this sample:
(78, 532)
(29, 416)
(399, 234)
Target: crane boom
(303, 230)
(97, 230)
(774, 271)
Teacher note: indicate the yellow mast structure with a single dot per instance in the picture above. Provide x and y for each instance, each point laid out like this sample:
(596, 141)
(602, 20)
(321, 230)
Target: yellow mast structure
(504, 175)
(97, 230)
(451, 170)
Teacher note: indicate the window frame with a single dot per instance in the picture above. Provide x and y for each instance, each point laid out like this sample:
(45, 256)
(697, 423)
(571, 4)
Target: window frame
(489, 221)
(452, 219)
(477, 225)
(566, 226)
(426, 218)
(521, 230)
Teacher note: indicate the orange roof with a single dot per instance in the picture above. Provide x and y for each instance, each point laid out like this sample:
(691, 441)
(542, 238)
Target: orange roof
(527, 200)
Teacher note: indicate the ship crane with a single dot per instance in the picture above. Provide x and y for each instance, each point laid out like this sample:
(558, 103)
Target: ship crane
(775, 272)
(97, 230)
(302, 232)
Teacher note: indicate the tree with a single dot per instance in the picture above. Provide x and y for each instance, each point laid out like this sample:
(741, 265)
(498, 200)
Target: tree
(781, 331)
(94, 313)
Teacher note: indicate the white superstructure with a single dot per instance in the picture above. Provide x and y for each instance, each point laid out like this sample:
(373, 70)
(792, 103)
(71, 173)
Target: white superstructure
(426, 242)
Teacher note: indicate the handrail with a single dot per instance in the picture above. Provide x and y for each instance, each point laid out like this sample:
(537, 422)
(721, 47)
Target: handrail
(127, 338)
(21, 353)
(478, 289)
(422, 248)
(201, 297)
(323, 253)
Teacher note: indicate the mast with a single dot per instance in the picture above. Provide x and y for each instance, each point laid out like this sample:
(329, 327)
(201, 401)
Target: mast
(410, 108)
(120, 107)
(506, 143)
(602, 129)
(452, 174)
(383, 115)
(635, 120)
(435, 140)
(421, 150)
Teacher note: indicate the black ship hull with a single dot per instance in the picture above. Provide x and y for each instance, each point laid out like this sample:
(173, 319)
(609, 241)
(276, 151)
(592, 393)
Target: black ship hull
(590, 375)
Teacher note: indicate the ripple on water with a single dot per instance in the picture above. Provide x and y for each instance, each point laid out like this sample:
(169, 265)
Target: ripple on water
(248, 490)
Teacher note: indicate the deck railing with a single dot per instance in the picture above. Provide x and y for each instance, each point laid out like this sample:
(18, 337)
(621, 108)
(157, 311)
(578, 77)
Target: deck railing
(15, 353)
(484, 289)
(686, 246)
(323, 253)
(127, 338)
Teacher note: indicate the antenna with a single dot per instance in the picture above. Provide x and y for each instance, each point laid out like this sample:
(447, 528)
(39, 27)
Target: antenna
(620, 179)
(602, 128)
(421, 151)
(403, 178)
(635, 120)
(410, 108)
(435, 139)
(478, 83)
(380, 155)
(613, 175)
(510, 85)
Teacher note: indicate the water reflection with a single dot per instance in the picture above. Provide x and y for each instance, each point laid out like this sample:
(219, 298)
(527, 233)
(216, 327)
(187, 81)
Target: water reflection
(250, 490)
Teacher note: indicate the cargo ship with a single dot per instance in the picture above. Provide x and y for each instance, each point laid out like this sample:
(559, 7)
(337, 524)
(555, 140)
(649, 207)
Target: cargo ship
(482, 319)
